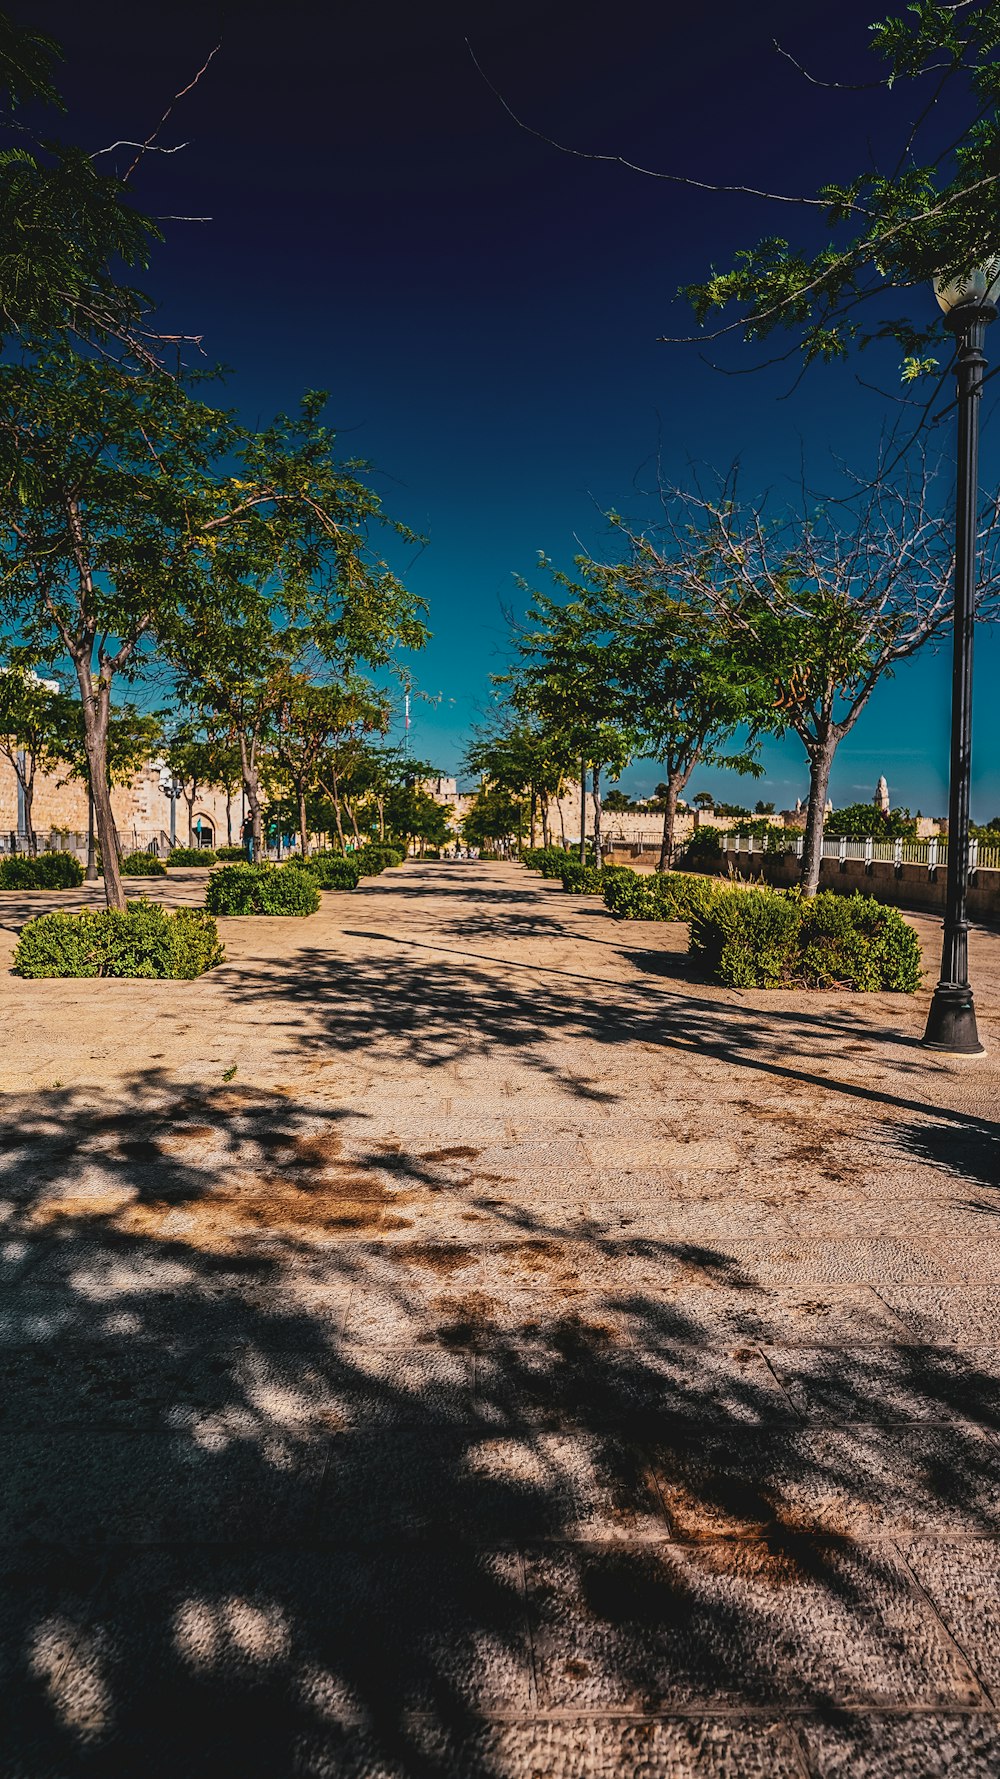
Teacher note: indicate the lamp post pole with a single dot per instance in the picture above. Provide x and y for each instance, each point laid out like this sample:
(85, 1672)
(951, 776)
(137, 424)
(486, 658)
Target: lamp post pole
(951, 1023)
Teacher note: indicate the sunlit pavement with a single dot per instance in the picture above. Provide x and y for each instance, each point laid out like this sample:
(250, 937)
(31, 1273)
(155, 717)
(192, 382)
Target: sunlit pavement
(450, 1340)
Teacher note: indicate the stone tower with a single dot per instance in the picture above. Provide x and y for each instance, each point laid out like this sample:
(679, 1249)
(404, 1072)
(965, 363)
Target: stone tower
(881, 797)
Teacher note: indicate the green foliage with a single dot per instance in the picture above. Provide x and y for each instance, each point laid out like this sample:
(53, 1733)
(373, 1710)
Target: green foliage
(375, 858)
(931, 209)
(703, 852)
(763, 938)
(194, 855)
(858, 820)
(582, 880)
(230, 855)
(549, 860)
(332, 872)
(50, 870)
(262, 889)
(143, 940)
(667, 895)
(857, 942)
(143, 864)
(496, 815)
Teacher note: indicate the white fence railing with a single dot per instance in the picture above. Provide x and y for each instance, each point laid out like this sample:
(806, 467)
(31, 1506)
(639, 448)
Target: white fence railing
(931, 853)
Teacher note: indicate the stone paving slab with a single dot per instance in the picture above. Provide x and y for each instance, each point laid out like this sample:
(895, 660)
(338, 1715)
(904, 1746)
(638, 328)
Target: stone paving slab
(533, 1363)
(646, 1628)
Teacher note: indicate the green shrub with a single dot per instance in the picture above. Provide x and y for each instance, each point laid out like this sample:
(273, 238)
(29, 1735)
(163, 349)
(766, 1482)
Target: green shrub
(230, 855)
(703, 851)
(857, 942)
(376, 857)
(763, 938)
(331, 871)
(192, 855)
(668, 895)
(146, 940)
(748, 938)
(50, 870)
(546, 859)
(262, 889)
(143, 864)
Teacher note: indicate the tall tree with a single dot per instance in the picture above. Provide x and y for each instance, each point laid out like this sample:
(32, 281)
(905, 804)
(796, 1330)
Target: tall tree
(131, 512)
(817, 609)
(34, 716)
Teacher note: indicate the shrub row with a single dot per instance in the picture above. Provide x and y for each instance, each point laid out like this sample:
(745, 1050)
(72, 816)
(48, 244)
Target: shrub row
(331, 871)
(143, 864)
(146, 940)
(377, 856)
(193, 855)
(669, 895)
(50, 870)
(765, 938)
(230, 855)
(262, 889)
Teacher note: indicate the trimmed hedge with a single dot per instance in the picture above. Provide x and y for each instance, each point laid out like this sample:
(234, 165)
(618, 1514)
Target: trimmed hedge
(50, 870)
(230, 855)
(142, 864)
(374, 858)
(667, 895)
(552, 860)
(331, 871)
(262, 889)
(192, 855)
(146, 940)
(765, 938)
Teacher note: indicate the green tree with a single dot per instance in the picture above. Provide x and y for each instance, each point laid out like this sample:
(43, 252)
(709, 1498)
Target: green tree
(524, 759)
(814, 611)
(319, 735)
(34, 716)
(930, 208)
(413, 814)
(858, 820)
(495, 819)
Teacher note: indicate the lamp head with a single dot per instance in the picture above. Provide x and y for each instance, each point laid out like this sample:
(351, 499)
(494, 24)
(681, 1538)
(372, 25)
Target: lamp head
(981, 285)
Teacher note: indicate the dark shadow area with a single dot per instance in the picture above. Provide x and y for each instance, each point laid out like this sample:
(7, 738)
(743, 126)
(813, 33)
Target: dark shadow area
(289, 1489)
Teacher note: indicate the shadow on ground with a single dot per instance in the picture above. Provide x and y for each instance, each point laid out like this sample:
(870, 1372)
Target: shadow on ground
(290, 1490)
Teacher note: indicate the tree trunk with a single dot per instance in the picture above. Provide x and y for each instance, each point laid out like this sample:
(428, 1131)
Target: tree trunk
(562, 822)
(251, 790)
(380, 804)
(27, 777)
(583, 812)
(354, 822)
(534, 817)
(229, 816)
(96, 706)
(190, 801)
(820, 762)
(545, 818)
(673, 782)
(91, 871)
(596, 780)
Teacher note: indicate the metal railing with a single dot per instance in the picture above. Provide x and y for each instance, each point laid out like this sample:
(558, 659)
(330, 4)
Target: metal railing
(930, 853)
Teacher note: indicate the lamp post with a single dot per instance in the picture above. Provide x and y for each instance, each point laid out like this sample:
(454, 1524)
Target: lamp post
(968, 304)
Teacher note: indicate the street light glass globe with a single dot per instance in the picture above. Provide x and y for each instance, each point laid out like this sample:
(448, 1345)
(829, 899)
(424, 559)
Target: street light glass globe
(981, 285)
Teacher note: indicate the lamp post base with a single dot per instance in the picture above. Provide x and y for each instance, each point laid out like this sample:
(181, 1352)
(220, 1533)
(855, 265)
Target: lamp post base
(951, 1022)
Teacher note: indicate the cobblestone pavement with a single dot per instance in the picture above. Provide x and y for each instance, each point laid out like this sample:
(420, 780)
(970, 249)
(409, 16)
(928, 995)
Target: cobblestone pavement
(528, 1364)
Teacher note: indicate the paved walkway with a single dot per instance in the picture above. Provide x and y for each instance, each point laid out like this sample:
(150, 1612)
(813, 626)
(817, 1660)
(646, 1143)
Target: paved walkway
(528, 1364)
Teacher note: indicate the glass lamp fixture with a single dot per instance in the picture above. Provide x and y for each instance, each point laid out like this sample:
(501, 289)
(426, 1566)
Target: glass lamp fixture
(981, 285)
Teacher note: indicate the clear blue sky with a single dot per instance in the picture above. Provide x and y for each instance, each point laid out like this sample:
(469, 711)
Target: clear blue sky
(485, 310)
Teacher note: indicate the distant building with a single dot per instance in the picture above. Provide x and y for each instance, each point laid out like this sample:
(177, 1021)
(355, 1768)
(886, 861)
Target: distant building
(881, 797)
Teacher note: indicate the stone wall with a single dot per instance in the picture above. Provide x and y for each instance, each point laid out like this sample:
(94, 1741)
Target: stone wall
(142, 811)
(904, 886)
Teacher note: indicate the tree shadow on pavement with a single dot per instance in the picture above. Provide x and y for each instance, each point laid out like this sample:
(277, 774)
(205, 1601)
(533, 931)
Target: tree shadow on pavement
(290, 1489)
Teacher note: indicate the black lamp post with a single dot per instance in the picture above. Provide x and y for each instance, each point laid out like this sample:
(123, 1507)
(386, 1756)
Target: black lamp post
(969, 308)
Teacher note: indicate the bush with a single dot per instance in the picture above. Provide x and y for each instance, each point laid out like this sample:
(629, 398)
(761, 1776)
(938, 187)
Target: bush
(262, 889)
(546, 859)
(331, 871)
(50, 870)
(143, 864)
(146, 940)
(192, 855)
(763, 938)
(668, 895)
(375, 857)
(230, 855)
(857, 942)
(703, 851)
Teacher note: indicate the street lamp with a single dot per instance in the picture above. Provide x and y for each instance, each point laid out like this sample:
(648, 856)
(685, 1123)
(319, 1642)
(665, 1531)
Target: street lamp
(969, 307)
(171, 789)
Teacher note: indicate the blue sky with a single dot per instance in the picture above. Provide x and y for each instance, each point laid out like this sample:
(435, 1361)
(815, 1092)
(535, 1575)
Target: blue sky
(485, 310)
